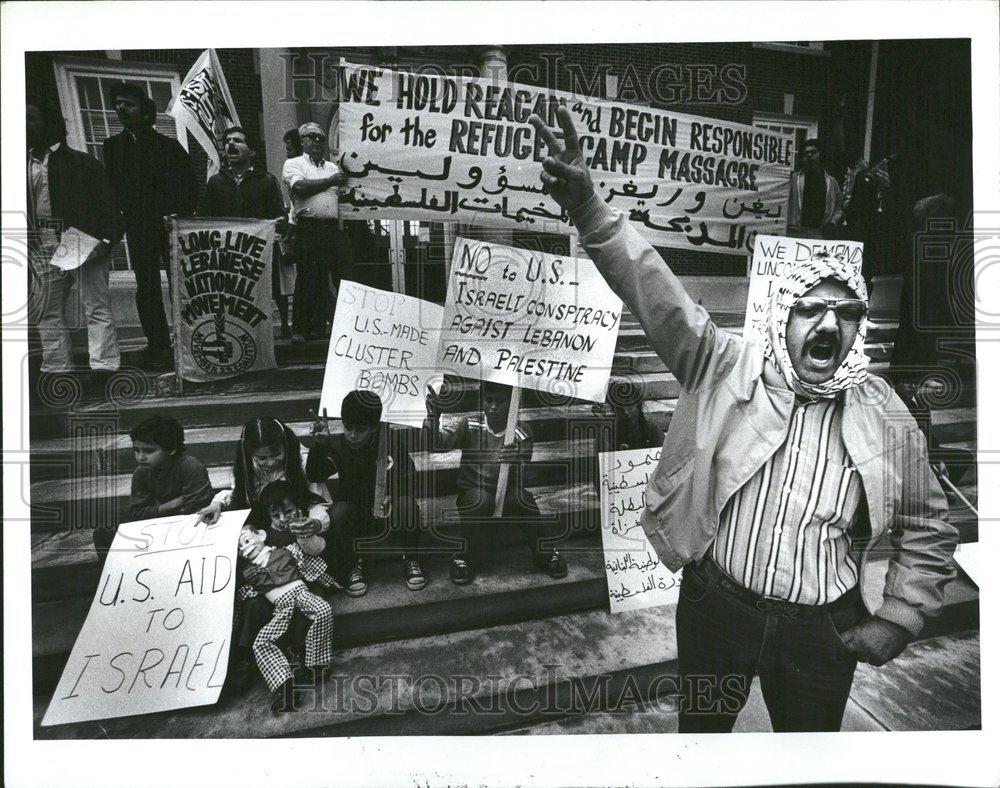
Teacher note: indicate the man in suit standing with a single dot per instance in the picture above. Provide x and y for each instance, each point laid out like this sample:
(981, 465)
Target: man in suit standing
(152, 178)
(69, 190)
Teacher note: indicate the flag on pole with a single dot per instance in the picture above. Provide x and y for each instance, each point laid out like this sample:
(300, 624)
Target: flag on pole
(204, 106)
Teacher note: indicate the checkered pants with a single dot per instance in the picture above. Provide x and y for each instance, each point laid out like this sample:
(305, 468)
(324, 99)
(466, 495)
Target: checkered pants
(273, 664)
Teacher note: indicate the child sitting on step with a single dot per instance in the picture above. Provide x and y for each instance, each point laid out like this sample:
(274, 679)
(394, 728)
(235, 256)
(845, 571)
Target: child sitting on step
(280, 574)
(286, 515)
(353, 455)
(166, 481)
(481, 439)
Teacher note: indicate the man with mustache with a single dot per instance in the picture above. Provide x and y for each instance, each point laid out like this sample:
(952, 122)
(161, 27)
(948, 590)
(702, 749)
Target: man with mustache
(247, 191)
(784, 463)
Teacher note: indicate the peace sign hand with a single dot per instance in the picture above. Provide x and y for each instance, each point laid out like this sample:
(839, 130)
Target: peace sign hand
(566, 174)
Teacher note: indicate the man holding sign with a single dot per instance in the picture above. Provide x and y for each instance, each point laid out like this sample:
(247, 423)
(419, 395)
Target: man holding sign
(784, 462)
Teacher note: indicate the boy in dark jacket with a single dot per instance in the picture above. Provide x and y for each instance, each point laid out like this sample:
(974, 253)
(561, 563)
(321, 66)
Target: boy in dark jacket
(353, 456)
(481, 440)
(167, 480)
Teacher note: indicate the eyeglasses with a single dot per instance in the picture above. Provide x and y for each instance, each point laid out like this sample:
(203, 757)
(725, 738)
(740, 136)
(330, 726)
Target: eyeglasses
(847, 310)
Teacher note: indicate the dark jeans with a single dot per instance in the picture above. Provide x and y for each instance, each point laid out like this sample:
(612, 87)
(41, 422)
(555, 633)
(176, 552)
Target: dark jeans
(355, 532)
(475, 510)
(321, 256)
(145, 248)
(723, 641)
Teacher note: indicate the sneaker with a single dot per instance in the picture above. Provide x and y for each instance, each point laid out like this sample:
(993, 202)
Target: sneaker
(356, 585)
(555, 566)
(415, 577)
(298, 339)
(461, 573)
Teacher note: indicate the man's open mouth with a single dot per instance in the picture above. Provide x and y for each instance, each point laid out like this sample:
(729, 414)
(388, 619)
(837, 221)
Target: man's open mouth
(821, 351)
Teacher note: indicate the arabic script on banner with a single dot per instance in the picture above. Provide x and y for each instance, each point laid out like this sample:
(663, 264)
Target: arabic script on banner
(452, 149)
(636, 577)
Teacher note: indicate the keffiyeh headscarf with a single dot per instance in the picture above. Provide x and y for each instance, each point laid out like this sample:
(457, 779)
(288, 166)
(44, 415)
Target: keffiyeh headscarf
(854, 368)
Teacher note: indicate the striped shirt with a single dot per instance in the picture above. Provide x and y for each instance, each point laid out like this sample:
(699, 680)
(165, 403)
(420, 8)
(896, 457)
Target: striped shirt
(785, 533)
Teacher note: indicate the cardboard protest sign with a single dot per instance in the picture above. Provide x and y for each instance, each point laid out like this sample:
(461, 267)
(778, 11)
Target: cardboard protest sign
(459, 149)
(773, 257)
(385, 343)
(221, 272)
(204, 106)
(529, 319)
(636, 578)
(158, 632)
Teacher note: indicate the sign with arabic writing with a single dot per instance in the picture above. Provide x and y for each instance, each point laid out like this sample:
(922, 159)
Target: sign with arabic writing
(222, 296)
(529, 319)
(773, 257)
(452, 149)
(385, 343)
(157, 634)
(636, 577)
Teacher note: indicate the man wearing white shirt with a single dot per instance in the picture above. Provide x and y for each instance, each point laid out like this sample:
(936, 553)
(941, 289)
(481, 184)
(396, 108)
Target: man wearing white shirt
(312, 182)
(70, 204)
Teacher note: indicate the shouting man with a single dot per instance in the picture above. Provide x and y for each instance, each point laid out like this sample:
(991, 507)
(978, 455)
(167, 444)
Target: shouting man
(784, 463)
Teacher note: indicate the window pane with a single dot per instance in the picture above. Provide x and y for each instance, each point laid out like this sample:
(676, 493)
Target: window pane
(89, 91)
(160, 93)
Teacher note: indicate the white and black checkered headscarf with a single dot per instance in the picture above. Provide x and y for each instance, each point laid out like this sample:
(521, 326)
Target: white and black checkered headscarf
(854, 368)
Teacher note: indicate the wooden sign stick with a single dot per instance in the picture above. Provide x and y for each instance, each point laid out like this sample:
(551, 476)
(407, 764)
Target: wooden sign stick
(381, 472)
(508, 440)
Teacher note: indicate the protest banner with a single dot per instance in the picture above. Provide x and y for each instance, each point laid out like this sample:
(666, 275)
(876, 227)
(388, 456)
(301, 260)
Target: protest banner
(773, 257)
(221, 271)
(158, 632)
(204, 107)
(385, 343)
(455, 149)
(636, 578)
(529, 319)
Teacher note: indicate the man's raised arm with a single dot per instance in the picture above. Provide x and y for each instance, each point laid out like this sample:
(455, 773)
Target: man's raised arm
(680, 331)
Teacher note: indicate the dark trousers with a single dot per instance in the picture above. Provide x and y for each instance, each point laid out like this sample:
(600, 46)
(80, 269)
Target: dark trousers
(805, 669)
(354, 532)
(145, 248)
(475, 511)
(321, 258)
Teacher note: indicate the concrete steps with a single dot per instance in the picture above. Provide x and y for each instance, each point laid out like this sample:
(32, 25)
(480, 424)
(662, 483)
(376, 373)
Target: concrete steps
(64, 563)
(524, 673)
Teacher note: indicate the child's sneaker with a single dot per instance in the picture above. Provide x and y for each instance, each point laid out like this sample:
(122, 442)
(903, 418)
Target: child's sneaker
(461, 573)
(356, 585)
(415, 577)
(554, 566)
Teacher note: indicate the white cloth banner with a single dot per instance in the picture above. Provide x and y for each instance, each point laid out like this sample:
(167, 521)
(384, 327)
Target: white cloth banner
(453, 149)
(385, 343)
(529, 319)
(204, 106)
(773, 257)
(222, 296)
(636, 577)
(158, 631)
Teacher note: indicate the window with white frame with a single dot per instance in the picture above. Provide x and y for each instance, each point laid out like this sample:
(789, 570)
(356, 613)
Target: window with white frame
(802, 128)
(85, 97)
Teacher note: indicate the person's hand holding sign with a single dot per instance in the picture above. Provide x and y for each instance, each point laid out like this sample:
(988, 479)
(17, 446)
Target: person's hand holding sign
(566, 173)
